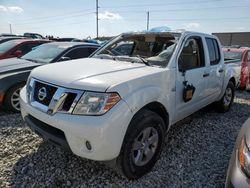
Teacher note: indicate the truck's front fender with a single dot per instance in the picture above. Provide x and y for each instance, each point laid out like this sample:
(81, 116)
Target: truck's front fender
(139, 98)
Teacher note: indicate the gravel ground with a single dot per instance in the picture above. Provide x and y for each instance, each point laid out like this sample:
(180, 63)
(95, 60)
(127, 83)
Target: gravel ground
(196, 154)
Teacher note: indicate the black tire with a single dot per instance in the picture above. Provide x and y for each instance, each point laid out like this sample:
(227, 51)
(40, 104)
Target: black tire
(224, 105)
(8, 104)
(143, 120)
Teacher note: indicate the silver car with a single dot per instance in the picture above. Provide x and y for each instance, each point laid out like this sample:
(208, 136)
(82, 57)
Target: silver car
(238, 174)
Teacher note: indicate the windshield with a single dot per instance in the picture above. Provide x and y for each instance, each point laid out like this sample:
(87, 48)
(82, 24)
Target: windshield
(45, 53)
(4, 47)
(154, 49)
(229, 55)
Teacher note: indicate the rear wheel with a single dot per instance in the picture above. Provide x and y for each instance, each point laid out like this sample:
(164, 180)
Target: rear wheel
(142, 145)
(12, 99)
(226, 101)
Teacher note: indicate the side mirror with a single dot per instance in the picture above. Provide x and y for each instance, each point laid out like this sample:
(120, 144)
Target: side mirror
(180, 65)
(64, 59)
(17, 53)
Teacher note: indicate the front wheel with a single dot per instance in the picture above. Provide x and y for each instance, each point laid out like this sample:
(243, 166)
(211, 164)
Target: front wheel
(142, 145)
(226, 101)
(12, 99)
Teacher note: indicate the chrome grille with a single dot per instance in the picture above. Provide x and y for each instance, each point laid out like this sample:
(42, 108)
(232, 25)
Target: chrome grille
(50, 98)
(49, 89)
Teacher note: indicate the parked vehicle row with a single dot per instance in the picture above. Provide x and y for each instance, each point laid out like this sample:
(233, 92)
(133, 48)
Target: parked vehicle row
(5, 39)
(14, 72)
(62, 39)
(118, 105)
(18, 47)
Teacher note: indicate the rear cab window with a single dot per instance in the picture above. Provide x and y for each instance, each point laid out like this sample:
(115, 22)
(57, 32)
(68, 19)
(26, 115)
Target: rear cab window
(213, 50)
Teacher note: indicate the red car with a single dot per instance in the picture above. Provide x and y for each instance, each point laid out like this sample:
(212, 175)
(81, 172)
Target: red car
(19, 47)
(242, 57)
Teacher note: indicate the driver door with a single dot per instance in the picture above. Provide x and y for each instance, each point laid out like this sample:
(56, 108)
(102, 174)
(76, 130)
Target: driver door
(192, 69)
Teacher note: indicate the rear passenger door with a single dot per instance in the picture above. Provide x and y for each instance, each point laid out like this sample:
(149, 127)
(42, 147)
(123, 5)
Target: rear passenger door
(216, 71)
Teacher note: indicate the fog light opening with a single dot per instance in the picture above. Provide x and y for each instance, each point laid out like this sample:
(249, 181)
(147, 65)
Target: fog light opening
(88, 145)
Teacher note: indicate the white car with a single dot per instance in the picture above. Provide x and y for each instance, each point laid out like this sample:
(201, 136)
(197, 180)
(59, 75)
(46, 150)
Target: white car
(118, 105)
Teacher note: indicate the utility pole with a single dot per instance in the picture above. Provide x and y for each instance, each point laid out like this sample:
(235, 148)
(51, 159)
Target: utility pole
(148, 20)
(10, 28)
(97, 20)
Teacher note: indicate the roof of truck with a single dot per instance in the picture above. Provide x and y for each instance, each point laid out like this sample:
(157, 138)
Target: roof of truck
(178, 31)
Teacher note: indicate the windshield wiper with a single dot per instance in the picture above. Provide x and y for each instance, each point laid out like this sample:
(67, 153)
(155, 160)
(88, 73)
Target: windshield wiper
(105, 56)
(32, 60)
(143, 60)
(123, 58)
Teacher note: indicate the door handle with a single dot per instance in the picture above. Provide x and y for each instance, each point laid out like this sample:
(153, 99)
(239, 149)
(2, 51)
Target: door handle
(221, 70)
(206, 75)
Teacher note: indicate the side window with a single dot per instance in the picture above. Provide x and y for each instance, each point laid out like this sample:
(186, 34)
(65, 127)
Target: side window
(213, 50)
(33, 46)
(91, 50)
(78, 53)
(248, 56)
(192, 55)
(23, 48)
(27, 47)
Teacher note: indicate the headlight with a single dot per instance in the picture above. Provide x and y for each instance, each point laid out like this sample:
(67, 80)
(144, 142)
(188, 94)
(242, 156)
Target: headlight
(92, 103)
(244, 157)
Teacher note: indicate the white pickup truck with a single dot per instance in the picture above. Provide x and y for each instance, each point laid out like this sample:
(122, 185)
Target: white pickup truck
(117, 105)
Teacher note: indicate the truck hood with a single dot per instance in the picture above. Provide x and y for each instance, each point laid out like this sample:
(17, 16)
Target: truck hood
(89, 73)
(15, 65)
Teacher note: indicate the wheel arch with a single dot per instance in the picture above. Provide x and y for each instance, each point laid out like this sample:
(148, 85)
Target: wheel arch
(233, 80)
(11, 81)
(12, 86)
(159, 109)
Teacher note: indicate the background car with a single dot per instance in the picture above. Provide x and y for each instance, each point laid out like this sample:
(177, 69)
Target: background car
(238, 174)
(240, 56)
(68, 40)
(7, 35)
(5, 39)
(15, 71)
(19, 47)
(33, 35)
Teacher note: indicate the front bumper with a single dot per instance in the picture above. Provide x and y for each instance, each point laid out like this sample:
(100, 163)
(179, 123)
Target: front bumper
(105, 133)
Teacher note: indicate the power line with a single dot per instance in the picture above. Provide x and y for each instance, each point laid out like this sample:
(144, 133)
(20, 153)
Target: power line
(161, 4)
(192, 19)
(192, 9)
(188, 19)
